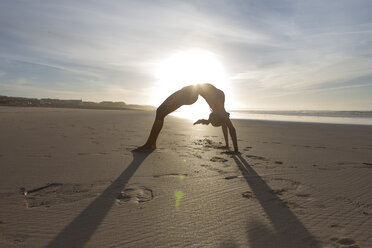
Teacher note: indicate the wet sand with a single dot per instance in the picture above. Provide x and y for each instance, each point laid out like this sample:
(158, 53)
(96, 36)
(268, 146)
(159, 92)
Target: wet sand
(69, 179)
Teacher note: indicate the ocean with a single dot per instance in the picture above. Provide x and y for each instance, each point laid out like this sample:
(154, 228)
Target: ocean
(335, 117)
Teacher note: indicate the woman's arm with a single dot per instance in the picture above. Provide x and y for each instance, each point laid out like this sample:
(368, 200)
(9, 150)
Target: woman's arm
(201, 121)
(232, 134)
(225, 135)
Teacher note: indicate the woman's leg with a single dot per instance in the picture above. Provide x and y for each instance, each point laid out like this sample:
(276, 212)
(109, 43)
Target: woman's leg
(155, 130)
(150, 144)
(184, 96)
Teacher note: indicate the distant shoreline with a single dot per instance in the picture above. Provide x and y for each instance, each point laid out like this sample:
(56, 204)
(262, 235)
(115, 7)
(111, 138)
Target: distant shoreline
(8, 101)
(326, 117)
(77, 107)
(356, 117)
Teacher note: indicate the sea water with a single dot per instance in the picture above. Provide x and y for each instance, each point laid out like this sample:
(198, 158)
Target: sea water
(337, 117)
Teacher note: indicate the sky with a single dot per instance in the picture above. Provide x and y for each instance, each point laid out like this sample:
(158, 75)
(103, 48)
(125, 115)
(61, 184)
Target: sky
(267, 54)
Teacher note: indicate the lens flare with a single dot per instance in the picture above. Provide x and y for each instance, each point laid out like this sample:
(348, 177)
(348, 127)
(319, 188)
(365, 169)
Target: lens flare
(178, 195)
(186, 68)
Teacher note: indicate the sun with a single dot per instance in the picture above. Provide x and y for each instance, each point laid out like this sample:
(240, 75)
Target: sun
(186, 68)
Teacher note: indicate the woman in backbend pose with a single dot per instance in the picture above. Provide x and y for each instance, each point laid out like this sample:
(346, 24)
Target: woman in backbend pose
(187, 96)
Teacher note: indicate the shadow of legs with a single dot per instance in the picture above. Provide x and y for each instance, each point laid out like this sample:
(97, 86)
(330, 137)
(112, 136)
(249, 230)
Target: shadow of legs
(290, 232)
(80, 230)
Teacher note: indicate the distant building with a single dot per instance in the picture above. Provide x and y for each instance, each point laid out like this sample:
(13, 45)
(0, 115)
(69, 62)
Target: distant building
(112, 104)
(58, 102)
(49, 102)
(18, 101)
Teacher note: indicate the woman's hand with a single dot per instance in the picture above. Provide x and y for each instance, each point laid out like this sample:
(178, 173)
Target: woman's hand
(201, 121)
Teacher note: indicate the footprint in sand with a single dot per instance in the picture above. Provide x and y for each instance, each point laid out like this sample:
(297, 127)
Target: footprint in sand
(13, 239)
(295, 206)
(136, 194)
(281, 186)
(231, 177)
(180, 175)
(367, 211)
(364, 165)
(248, 195)
(348, 163)
(58, 193)
(335, 227)
(218, 159)
(256, 157)
(207, 143)
(284, 182)
(209, 167)
(307, 146)
(204, 142)
(345, 242)
(247, 148)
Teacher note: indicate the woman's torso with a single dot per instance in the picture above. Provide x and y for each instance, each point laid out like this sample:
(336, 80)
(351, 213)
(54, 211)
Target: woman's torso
(213, 96)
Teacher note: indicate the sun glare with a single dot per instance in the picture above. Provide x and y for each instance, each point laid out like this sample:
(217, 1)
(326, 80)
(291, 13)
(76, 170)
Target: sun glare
(187, 68)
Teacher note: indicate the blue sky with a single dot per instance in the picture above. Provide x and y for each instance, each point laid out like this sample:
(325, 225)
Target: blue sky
(277, 54)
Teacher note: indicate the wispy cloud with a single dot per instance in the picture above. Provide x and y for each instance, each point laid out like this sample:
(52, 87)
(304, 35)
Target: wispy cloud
(271, 47)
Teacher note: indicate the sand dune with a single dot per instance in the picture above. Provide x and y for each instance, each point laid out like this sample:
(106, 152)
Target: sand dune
(69, 179)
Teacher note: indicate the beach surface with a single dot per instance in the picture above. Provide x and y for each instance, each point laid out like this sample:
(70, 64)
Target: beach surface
(69, 179)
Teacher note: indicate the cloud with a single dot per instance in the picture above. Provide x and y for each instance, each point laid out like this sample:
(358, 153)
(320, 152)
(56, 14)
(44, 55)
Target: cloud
(272, 47)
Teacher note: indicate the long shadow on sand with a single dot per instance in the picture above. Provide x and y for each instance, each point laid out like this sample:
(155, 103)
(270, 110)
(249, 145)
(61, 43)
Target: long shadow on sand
(79, 231)
(289, 231)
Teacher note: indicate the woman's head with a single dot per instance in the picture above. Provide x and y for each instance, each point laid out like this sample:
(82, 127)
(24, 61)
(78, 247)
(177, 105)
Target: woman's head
(215, 118)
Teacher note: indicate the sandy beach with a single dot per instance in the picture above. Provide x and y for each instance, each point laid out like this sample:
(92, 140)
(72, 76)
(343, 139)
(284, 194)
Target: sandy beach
(69, 179)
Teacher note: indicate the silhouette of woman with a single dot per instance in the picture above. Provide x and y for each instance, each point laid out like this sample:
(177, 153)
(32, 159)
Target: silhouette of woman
(187, 96)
